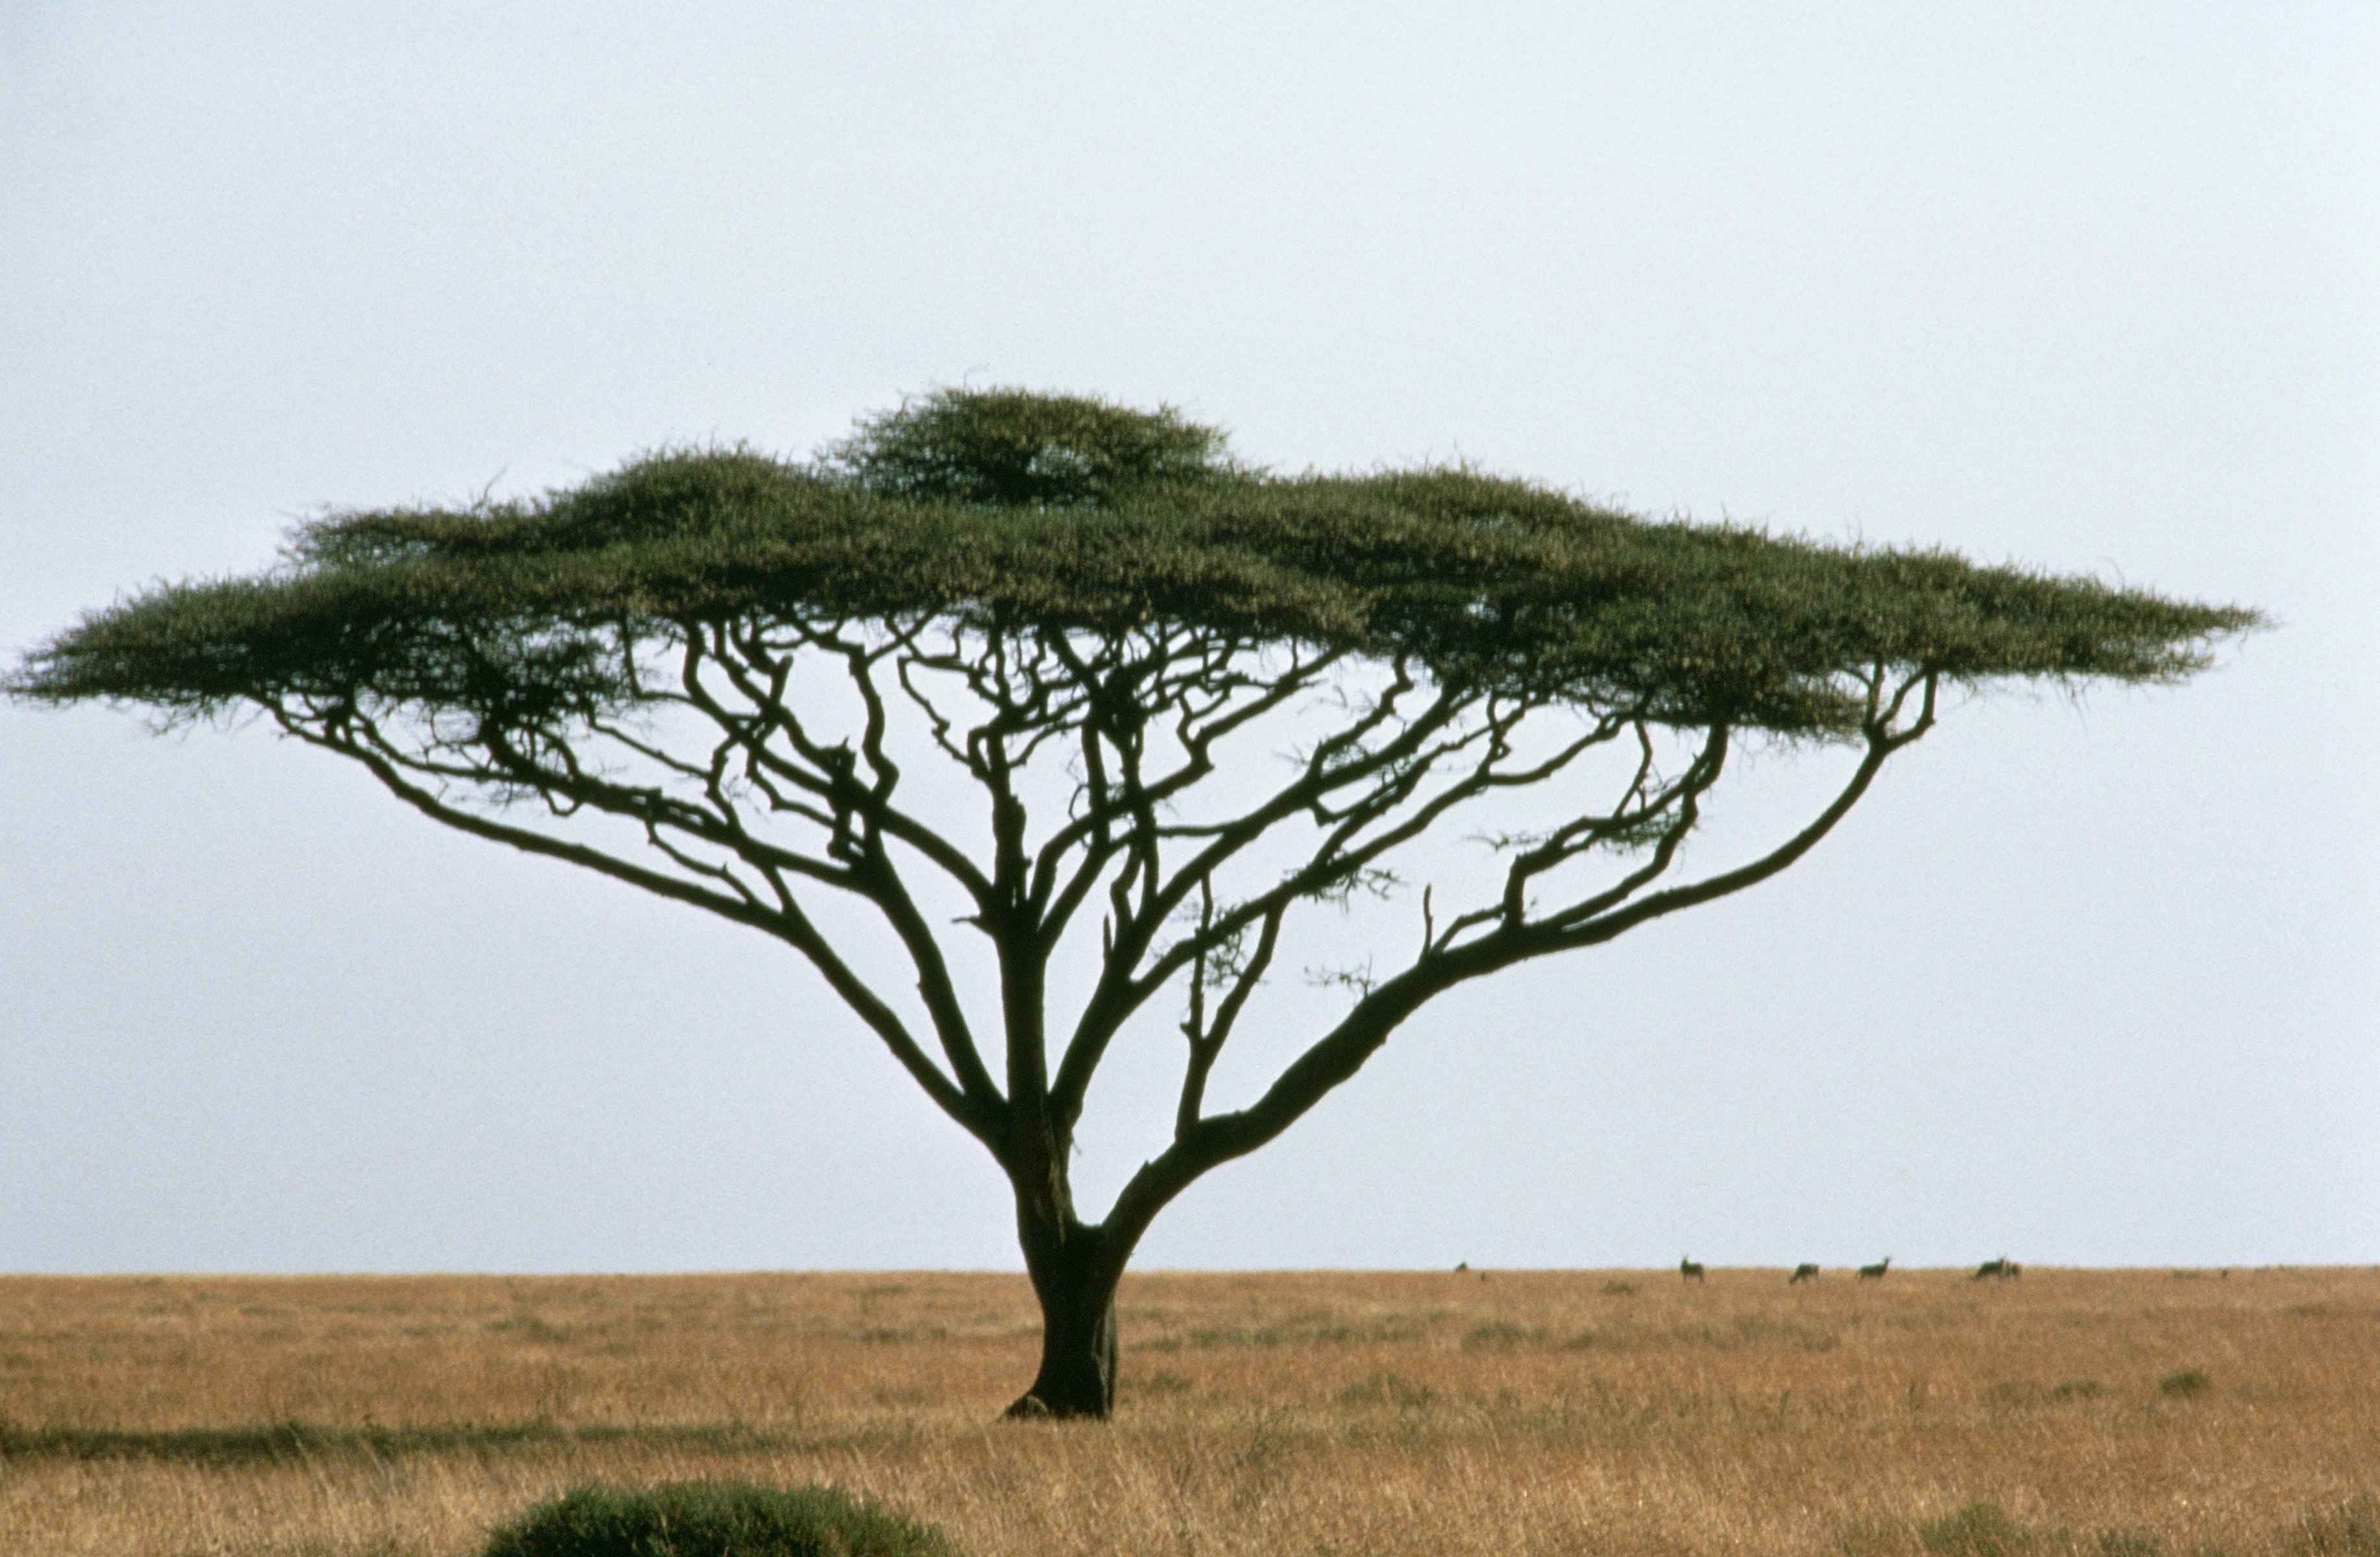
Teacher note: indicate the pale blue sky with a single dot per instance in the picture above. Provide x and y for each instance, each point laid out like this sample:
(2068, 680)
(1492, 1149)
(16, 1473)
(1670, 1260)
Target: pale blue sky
(2090, 287)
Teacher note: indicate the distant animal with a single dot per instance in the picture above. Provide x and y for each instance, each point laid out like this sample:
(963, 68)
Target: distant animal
(2000, 1270)
(1802, 1274)
(1688, 1271)
(1875, 1272)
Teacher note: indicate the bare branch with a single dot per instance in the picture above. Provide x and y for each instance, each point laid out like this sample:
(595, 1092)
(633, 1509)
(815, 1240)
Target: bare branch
(348, 735)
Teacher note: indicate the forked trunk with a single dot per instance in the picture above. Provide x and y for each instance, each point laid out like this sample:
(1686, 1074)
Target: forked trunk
(1077, 1284)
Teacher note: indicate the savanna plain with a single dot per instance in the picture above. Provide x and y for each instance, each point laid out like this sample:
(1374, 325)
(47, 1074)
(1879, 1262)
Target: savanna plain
(2118, 1414)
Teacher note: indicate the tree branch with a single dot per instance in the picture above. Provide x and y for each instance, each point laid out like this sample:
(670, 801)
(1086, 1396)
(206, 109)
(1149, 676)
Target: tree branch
(1336, 1056)
(786, 923)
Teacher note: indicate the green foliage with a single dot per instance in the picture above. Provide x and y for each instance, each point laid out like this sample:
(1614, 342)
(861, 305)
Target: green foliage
(712, 1519)
(1045, 515)
(1011, 448)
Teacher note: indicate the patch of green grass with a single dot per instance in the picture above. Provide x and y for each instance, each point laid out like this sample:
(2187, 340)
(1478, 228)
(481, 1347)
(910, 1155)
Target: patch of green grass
(713, 1519)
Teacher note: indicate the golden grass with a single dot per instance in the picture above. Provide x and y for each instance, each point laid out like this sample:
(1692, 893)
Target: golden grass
(1521, 1413)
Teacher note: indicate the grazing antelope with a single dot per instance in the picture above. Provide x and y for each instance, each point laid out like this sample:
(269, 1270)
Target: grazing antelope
(1875, 1272)
(1801, 1273)
(1688, 1271)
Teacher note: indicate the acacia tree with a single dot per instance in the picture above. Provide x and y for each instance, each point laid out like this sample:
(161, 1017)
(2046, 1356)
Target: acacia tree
(1177, 704)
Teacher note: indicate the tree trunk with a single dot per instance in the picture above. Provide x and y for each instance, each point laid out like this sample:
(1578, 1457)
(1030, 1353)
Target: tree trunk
(1077, 1283)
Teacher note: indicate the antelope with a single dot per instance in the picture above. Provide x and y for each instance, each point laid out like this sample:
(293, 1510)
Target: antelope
(1688, 1271)
(1801, 1273)
(1875, 1272)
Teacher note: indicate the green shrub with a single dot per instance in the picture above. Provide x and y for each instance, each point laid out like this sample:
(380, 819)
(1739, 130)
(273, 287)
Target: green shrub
(2189, 1383)
(712, 1519)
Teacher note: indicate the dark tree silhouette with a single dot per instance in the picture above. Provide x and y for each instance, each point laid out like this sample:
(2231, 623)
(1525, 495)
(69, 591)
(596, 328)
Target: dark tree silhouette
(1176, 704)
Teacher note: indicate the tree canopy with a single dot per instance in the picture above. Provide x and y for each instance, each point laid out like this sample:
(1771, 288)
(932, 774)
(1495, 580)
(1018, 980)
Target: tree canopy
(711, 675)
(1004, 509)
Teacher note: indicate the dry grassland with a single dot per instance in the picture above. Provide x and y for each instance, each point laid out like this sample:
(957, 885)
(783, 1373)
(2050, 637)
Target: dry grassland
(2114, 1414)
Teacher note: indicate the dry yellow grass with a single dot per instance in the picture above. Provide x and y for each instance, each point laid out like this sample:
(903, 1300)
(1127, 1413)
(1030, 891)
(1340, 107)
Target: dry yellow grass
(1515, 1414)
